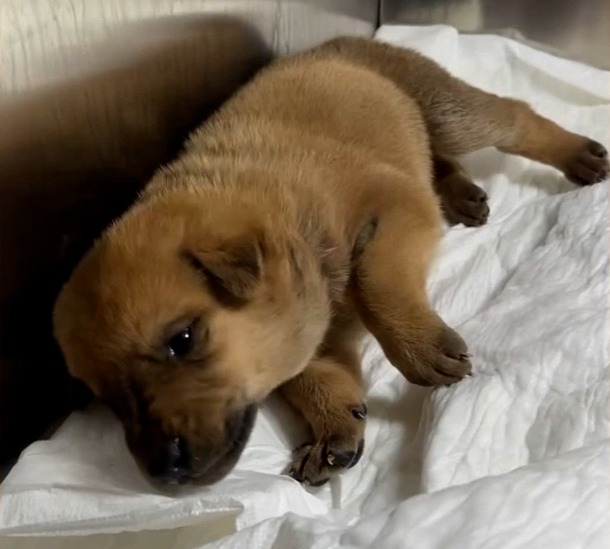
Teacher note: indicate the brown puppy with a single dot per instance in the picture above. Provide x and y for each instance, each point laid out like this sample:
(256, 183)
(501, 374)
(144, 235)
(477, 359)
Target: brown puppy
(300, 214)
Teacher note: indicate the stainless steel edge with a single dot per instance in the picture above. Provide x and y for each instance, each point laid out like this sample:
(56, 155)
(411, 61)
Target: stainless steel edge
(575, 29)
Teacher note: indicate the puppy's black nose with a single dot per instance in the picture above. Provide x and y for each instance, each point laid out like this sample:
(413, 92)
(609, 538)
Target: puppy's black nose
(173, 463)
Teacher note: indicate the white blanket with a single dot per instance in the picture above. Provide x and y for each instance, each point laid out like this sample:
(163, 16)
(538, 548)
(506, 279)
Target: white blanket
(515, 457)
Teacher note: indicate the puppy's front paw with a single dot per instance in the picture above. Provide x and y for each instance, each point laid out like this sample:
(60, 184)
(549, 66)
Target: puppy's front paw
(589, 165)
(316, 462)
(443, 360)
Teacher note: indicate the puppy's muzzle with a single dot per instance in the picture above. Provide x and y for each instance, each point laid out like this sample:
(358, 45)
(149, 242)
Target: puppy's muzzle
(180, 460)
(173, 465)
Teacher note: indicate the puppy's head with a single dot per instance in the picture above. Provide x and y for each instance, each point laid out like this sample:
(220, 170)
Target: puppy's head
(187, 313)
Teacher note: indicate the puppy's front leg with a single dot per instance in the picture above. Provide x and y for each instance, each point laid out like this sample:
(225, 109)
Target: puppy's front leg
(389, 282)
(328, 394)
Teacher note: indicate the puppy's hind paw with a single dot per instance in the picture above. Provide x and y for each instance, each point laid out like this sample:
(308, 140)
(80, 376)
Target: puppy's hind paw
(589, 165)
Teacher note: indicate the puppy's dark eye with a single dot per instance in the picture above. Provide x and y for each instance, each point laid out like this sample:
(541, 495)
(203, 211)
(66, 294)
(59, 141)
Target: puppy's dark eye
(181, 344)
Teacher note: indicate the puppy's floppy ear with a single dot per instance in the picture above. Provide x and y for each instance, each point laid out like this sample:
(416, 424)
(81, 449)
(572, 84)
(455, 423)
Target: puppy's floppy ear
(233, 269)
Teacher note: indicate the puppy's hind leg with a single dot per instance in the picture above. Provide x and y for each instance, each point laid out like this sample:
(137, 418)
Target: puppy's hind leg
(461, 118)
(582, 160)
(328, 394)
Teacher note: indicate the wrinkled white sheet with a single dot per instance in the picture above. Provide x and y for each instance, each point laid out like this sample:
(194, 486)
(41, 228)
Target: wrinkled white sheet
(515, 457)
